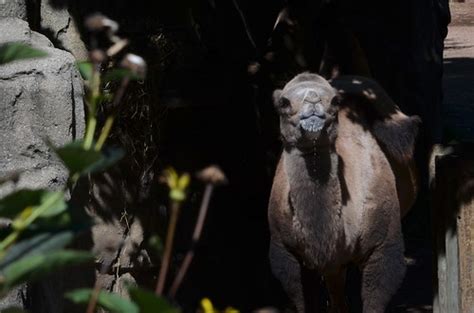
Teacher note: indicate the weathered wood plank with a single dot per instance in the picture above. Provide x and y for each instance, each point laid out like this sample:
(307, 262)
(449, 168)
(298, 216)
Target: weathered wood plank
(440, 198)
(465, 226)
(452, 177)
(453, 204)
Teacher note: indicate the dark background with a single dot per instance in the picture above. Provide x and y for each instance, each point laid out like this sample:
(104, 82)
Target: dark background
(199, 106)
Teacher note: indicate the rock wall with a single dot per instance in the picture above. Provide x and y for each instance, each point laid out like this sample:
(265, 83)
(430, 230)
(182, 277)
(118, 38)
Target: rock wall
(62, 29)
(40, 99)
(14, 8)
(43, 99)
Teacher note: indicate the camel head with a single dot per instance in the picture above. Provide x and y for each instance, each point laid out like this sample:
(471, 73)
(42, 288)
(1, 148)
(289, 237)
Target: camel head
(306, 110)
(308, 107)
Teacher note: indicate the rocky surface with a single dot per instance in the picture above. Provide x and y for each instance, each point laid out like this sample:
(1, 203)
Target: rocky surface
(41, 100)
(13, 8)
(62, 29)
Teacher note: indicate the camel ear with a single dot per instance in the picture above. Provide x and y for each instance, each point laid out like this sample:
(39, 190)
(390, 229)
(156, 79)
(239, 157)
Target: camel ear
(282, 104)
(276, 95)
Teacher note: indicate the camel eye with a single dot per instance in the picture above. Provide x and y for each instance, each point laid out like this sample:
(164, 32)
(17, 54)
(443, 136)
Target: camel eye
(281, 103)
(284, 103)
(284, 106)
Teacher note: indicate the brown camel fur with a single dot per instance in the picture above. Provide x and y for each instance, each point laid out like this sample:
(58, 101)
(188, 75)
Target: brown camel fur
(345, 178)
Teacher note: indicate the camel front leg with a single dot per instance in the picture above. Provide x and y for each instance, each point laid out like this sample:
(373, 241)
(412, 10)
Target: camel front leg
(301, 285)
(382, 275)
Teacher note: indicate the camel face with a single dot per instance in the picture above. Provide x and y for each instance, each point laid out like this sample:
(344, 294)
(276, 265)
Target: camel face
(306, 113)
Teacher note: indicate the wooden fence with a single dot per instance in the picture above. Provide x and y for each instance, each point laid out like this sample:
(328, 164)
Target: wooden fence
(453, 221)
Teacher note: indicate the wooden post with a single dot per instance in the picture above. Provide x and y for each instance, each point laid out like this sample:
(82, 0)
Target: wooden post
(453, 220)
(465, 226)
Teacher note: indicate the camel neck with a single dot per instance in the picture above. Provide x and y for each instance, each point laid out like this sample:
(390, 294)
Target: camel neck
(318, 166)
(315, 201)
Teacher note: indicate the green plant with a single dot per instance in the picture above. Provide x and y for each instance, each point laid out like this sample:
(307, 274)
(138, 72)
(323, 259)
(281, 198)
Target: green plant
(42, 224)
(212, 176)
(208, 307)
(15, 51)
(34, 243)
(177, 185)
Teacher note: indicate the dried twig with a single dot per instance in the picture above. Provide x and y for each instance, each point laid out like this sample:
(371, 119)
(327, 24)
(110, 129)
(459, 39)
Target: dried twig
(175, 206)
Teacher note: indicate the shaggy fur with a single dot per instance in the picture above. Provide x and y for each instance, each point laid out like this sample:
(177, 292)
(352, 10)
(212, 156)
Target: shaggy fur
(340, 190)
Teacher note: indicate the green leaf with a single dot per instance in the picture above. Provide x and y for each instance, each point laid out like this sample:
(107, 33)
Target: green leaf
(76, 158)
(40, 244)
(36, 266)
(15, 203)
(14, 51)
(85, 68)
(79, 160)
(110, 156)
(60, 222)
(73, 219)
(109, 301)
(56, 207)
(148, 302)
(118, 74)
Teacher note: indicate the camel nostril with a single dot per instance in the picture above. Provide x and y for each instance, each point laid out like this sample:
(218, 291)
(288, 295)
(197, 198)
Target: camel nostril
(312, 110)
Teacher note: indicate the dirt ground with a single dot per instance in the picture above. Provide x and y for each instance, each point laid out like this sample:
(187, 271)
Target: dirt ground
(459, 73)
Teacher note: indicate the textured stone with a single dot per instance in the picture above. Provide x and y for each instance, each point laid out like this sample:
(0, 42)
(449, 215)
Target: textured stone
(41, 99)
(14, 298)
(62, 29)
(13, 8)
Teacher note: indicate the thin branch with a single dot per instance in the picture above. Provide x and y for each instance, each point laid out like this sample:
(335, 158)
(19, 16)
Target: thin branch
(244, 22)
(196, 235)
(175, 205)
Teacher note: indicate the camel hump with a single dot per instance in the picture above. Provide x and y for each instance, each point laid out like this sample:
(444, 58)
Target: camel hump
(395, 132)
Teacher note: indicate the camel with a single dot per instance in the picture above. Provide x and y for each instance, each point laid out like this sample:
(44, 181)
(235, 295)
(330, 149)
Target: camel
(345, 178)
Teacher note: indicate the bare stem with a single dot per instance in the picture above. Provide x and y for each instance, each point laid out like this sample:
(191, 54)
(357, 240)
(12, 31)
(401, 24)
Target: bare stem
(105, 267)
(109, 122)
(92, 106)
(175, 206)
(94, 296)
(91, 125)
(119, 94)
(196, 235)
